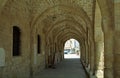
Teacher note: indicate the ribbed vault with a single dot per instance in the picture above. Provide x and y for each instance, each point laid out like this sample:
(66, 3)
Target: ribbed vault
(61, 34)
(56, 21)
(61, 20)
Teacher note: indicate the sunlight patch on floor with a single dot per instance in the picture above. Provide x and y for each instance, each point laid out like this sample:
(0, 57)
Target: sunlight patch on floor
(71, 56)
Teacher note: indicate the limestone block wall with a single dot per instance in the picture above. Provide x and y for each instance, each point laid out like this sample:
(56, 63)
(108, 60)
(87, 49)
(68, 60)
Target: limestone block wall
(2, 3)
(17, 13)
(35, 17)
(14, 14)
(38, 59)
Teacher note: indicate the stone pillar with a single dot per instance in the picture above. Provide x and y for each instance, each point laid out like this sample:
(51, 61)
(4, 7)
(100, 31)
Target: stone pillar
(92, 57)
(86, 56)
(117, 55)
(89, 55)
(46, 56)
(88, 48)
(99, 59)
(108, 54)
(117, 39)
(83, 52)
(107, 11)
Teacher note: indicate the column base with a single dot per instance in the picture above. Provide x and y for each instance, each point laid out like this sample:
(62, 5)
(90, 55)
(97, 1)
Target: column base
(99, 74)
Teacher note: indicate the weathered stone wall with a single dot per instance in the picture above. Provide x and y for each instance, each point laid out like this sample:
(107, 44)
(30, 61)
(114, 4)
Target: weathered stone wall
(117, 39)
(18, 13)
(15, 14)
(38, 59)
(56, 21)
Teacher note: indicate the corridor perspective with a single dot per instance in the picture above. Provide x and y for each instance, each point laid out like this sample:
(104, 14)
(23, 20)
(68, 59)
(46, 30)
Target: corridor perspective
(69, 68)
(33, 35)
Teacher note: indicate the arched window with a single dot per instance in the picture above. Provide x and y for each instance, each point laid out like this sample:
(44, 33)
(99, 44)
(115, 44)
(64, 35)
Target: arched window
(16, 41)
(38, 44)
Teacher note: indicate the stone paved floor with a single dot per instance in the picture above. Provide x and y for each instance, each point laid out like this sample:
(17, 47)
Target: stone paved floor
(69, 68)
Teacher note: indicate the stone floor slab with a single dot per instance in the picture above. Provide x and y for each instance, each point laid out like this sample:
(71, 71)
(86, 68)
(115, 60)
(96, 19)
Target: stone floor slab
(69, 68)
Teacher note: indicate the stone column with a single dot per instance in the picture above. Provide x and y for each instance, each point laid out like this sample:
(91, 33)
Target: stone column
(83, 52)
(92, 57)
(107, 12)
(86, 47)
(117, 55)
(46, 56)
(108, 54)
(99, 59)
(117, 39)
(89, 56)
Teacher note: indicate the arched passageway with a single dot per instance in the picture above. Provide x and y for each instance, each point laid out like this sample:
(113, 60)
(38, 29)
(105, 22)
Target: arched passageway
(45, 25)
(69, 67)
(72, 49)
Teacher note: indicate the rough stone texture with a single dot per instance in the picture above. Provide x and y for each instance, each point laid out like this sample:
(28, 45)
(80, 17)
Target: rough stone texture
(99, 44)
(16, 14)
(93, 23)
(2, 57)
(117, 40)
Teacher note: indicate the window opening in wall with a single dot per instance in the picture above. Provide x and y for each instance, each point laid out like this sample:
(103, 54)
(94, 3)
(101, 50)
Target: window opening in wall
(39, 44)
(16, 41)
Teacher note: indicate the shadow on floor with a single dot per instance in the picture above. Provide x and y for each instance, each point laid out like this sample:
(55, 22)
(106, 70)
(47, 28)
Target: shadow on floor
(68, 68)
